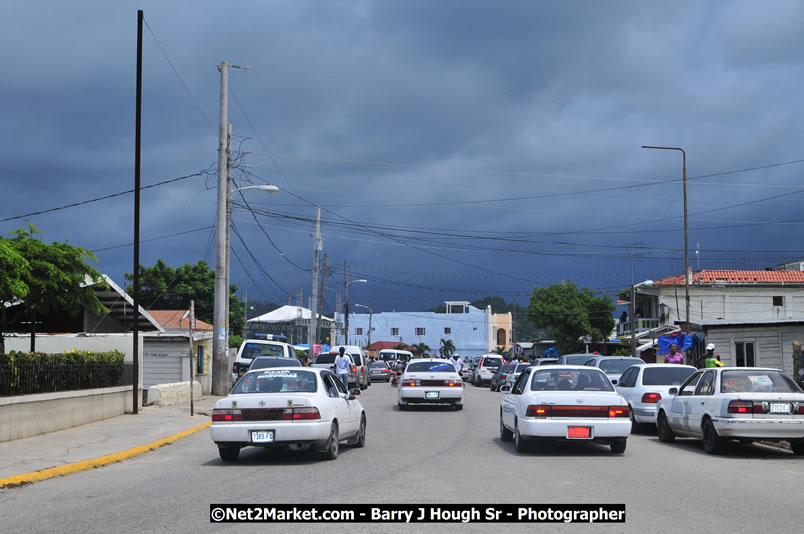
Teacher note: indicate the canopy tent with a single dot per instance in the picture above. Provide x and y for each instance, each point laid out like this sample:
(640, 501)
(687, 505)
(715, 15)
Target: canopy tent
(289, 314)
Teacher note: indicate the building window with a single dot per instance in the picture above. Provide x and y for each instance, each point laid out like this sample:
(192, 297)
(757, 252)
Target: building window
(358, 331)
(420, 331)
(474, 329)
(778, 301)
(199, 364)
(448, 330)
(395, 331)
(744, 353)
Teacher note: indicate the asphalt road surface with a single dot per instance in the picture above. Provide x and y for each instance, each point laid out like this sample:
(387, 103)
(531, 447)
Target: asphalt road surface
(431, 455)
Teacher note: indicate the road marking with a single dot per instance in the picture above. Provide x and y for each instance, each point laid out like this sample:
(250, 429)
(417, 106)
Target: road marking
(51, 472)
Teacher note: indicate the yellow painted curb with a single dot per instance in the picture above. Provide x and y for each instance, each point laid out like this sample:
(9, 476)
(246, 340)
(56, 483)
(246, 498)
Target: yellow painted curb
(68, 469)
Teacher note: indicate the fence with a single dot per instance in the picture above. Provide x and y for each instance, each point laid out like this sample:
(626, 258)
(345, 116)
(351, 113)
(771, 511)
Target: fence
(29, 379)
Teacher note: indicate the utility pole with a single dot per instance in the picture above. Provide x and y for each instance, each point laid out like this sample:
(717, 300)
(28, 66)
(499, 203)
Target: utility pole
(191, 317)
(346, 306)
(314, 304)
(220, 360)
(228, 246)
(245, 312)
(320, 305)
(136, 271)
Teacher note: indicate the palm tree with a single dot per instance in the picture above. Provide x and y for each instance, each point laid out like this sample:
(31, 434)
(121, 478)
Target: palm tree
(421, 348)
(447, 348)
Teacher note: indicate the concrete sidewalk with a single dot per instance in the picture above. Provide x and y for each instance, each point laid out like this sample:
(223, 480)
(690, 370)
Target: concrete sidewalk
(100, 443)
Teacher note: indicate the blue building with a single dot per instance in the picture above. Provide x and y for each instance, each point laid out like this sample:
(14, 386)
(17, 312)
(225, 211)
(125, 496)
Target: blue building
(473, 331)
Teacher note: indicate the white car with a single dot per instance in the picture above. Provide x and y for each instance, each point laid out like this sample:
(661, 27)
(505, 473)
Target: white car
(643, 386)
(299, 407)
(566, 402)
(430, 381)
(742, 403)
(486, 367)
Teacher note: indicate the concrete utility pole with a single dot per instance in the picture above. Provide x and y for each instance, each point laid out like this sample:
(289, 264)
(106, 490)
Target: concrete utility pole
(314, 304)
(245, 313)
(320, 305)
(346, 305)
(228, 246)
(220, 360)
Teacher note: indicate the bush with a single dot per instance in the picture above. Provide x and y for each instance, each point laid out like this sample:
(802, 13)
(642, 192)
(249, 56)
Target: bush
(235, 342)
(23, 373)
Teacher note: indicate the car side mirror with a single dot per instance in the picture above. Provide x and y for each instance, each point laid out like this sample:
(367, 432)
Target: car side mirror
(505, 389)
(673, 391)
(354, 392)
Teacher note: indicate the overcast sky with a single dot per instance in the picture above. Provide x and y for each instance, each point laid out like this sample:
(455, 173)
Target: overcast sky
(458, 149)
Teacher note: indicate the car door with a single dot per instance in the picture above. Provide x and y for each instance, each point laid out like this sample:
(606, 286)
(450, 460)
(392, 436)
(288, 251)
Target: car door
(699, 401)
(680, 406)
(344, 408)
(513, 399)
(625, 388)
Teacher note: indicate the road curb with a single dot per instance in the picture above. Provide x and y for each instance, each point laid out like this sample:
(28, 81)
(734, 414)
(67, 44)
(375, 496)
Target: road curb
(68, 469)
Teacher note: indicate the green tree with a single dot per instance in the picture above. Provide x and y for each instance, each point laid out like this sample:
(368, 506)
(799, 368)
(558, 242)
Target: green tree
(421, 349)
(163, 287)
(44, 278)
(447, 348)
(571, 313)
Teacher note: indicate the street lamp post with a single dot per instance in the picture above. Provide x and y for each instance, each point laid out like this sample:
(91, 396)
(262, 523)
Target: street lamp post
(686, 232)
(346, 308)
(371, 313)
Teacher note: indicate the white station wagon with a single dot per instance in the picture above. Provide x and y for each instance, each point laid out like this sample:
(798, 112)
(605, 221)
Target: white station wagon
(564, 402)
(296, 407)
(742, 403)
(430, 381)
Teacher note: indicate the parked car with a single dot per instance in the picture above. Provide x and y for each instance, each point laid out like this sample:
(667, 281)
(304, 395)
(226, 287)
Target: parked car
(614, 366)
(564, 402)
(379, 371)
(297, 407)
(643, 386)
(573, 359)
(260, 345)
(360, 361)
(431, 381)
(742, 403)
(499, 378)
(264, 362)
(487, 365)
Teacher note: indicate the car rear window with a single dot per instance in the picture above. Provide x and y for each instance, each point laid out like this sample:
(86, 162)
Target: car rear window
(507, 367)
(755, 381)
(616, 366)
(570, 380)
(357, 359)
(264, 363)
(665, 376)
(252, 350)
(277, 381)
(378, 365)
(521, 367)
(491, 362)
(388, 356)
(432, 367)
(577, 360)
(326, 358)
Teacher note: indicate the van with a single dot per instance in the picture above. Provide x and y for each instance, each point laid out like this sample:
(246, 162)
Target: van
(486, 367)
(362, 376)
(260, 345)
(394, 356)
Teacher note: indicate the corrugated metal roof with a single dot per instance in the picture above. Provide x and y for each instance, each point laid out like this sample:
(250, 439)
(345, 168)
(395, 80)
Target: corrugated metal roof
(737, 277)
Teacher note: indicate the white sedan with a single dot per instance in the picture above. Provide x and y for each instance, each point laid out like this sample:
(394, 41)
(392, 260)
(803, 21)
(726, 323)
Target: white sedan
(566, 402)
(643, 386)
(298, 407)
(430, 381)
(743, 403)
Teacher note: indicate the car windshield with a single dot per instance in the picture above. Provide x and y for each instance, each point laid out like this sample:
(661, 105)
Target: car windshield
(326, 358)
(252, 350)
(577, 360)
(757, 381)
(492, 362)
(616, 366)
(666, 376)
(432, 367)
(263, 363)
(570, 380)
(276, 381)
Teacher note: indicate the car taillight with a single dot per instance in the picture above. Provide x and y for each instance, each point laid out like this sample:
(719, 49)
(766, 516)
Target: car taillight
(651, 397)
(800, 408)
(386, 370)
(619, 411)
(538, 410)
(225, 414)
(307, 412)
(452, 384)
(743, 407)
(410, 383)
(354, 369)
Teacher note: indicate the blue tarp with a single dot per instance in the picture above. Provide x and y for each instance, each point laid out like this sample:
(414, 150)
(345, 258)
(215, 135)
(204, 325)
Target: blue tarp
(683, 343)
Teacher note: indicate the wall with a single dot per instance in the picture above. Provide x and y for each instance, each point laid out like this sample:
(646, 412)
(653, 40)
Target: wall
(773, 344)
(733, 303)
(31, 415)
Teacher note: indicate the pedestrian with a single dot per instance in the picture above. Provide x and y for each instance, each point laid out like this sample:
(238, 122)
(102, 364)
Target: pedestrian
(342, 367)
(674, 356)
(624, 317)
(456, 361)
(798, 363)
(710, 358)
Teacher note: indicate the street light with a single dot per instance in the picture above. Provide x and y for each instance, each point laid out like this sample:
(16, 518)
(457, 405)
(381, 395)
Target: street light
(220, 361)
(371, 312)
(346, 307)
(686, 233)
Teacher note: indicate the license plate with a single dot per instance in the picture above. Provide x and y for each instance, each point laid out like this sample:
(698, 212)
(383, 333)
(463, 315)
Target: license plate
(579, 432)
(262, 436)
(431, 395)
(779, 407)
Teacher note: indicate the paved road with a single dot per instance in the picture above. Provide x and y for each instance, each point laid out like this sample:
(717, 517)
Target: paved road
(426, 455)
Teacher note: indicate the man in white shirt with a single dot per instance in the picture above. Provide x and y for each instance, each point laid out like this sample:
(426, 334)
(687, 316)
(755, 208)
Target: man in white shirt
(456, 361)
(342, 366)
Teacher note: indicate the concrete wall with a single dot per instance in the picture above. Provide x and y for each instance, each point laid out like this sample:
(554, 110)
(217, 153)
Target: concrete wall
(31, 415)
(773, 345)
(176, 393)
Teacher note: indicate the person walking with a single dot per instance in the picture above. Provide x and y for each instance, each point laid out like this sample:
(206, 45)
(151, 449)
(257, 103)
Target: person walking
(710, 358)
(674, 356)
(456, 361)
(342, 367)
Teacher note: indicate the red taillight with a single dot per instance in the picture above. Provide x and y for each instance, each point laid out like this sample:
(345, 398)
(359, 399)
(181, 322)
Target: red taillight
(354, 369)
(409, 383)
(619, 411)
(225, 414)
(386, 370)
(309, 412)
(742, 407)
(651, 397)
(454, 384)
(536, 410)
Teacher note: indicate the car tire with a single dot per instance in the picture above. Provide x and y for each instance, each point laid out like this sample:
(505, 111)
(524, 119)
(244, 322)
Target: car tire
(636, 427)
(402, 407)
(229, 454)
(361, 386)
(360, 439)
(666, 434)
(618, 445)
(712, 443)
(798, 447)
(519, 442)
(330, 451)
(505, 434)
(458, 407)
